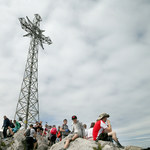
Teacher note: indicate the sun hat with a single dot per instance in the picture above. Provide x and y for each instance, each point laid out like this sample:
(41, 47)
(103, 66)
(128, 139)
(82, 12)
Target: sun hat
(103, 115)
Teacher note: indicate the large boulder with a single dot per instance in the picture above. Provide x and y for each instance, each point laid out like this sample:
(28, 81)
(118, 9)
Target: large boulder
(42, 143)
(83, 144)
(78, 144)
(18, 142)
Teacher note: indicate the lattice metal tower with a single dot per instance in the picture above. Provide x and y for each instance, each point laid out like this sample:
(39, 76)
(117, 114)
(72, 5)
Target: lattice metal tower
(27, 109)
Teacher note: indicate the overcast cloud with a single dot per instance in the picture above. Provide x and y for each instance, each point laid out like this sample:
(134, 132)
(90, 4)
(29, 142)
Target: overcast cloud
(99, 62)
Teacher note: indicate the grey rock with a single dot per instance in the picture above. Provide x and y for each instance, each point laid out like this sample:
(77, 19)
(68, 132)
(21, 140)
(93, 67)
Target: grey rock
(133, 148)
(42, 143)
(18, 143)
(78, 144)
(83, 144)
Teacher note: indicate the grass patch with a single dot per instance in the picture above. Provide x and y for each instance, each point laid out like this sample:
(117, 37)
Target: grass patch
(98, 148)
(3, 144)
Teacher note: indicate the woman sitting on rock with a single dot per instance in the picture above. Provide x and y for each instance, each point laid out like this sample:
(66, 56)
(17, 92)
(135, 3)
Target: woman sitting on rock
(90, 131)
(77, 131)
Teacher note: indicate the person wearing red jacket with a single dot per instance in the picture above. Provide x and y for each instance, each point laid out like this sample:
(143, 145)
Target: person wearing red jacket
(103, 131)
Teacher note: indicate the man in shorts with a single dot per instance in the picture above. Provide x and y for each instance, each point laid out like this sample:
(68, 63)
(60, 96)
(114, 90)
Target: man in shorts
(77, 131)
(103, 131)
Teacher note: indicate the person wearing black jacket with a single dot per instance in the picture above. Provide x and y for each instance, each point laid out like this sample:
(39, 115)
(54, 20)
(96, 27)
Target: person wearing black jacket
(6, 124)
(11, 124)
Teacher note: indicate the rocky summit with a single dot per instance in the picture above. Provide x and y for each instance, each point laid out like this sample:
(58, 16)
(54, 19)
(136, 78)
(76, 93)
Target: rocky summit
(18, 143)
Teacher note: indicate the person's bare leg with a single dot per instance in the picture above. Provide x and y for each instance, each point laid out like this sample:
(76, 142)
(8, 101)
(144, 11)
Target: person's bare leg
(68, 141)
(10, 131)
(67, 144)
(74, 137)
(114, 136)
(35, 144)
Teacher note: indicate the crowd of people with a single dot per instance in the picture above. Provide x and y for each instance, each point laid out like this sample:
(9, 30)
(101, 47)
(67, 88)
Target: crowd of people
(99, 130)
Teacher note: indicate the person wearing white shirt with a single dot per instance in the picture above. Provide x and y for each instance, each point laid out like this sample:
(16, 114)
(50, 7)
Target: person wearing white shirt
(90, 131)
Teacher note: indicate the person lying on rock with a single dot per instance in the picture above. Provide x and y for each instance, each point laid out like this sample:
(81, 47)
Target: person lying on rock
(77, 131)
(12, 131)
(103, 131)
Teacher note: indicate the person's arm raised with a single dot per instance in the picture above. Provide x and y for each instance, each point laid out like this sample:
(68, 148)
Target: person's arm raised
(108, 129)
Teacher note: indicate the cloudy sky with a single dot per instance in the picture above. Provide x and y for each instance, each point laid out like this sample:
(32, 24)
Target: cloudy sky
(99, 62)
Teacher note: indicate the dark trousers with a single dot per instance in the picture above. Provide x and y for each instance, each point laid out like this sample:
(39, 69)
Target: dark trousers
(5, 132)
(29, 143)
(105, 137)
(52, 139)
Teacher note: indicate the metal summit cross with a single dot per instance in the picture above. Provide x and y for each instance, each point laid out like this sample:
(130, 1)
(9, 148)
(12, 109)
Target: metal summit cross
(27, 109)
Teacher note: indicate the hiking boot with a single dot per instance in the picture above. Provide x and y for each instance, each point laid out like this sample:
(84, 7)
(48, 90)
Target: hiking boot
(119, 145)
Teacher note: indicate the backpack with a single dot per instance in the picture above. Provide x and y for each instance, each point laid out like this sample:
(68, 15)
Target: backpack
(28, 133)
(59, 134)
(53, 131)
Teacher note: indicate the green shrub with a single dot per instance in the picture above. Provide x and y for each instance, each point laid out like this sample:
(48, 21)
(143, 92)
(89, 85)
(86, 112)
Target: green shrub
(98, 148)
(3, 144)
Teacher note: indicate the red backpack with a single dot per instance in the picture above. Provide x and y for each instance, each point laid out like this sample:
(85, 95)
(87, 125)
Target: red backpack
(53, 131)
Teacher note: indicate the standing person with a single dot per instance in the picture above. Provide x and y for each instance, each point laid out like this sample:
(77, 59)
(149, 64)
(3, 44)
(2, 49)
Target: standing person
(90, 131)
(77, 131)
(39, 129)
(31, 141)
(64, 129)
(45, 131)
(59, 134)
(52, 137)
(35, 127)
(6, 124)
(102, 131)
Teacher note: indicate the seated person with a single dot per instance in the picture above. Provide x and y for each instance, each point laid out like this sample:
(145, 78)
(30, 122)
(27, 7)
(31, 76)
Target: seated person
(12, 131)
(86, 130)
(11, 124)
(90, 131)
(77, 131)
(102, 131)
